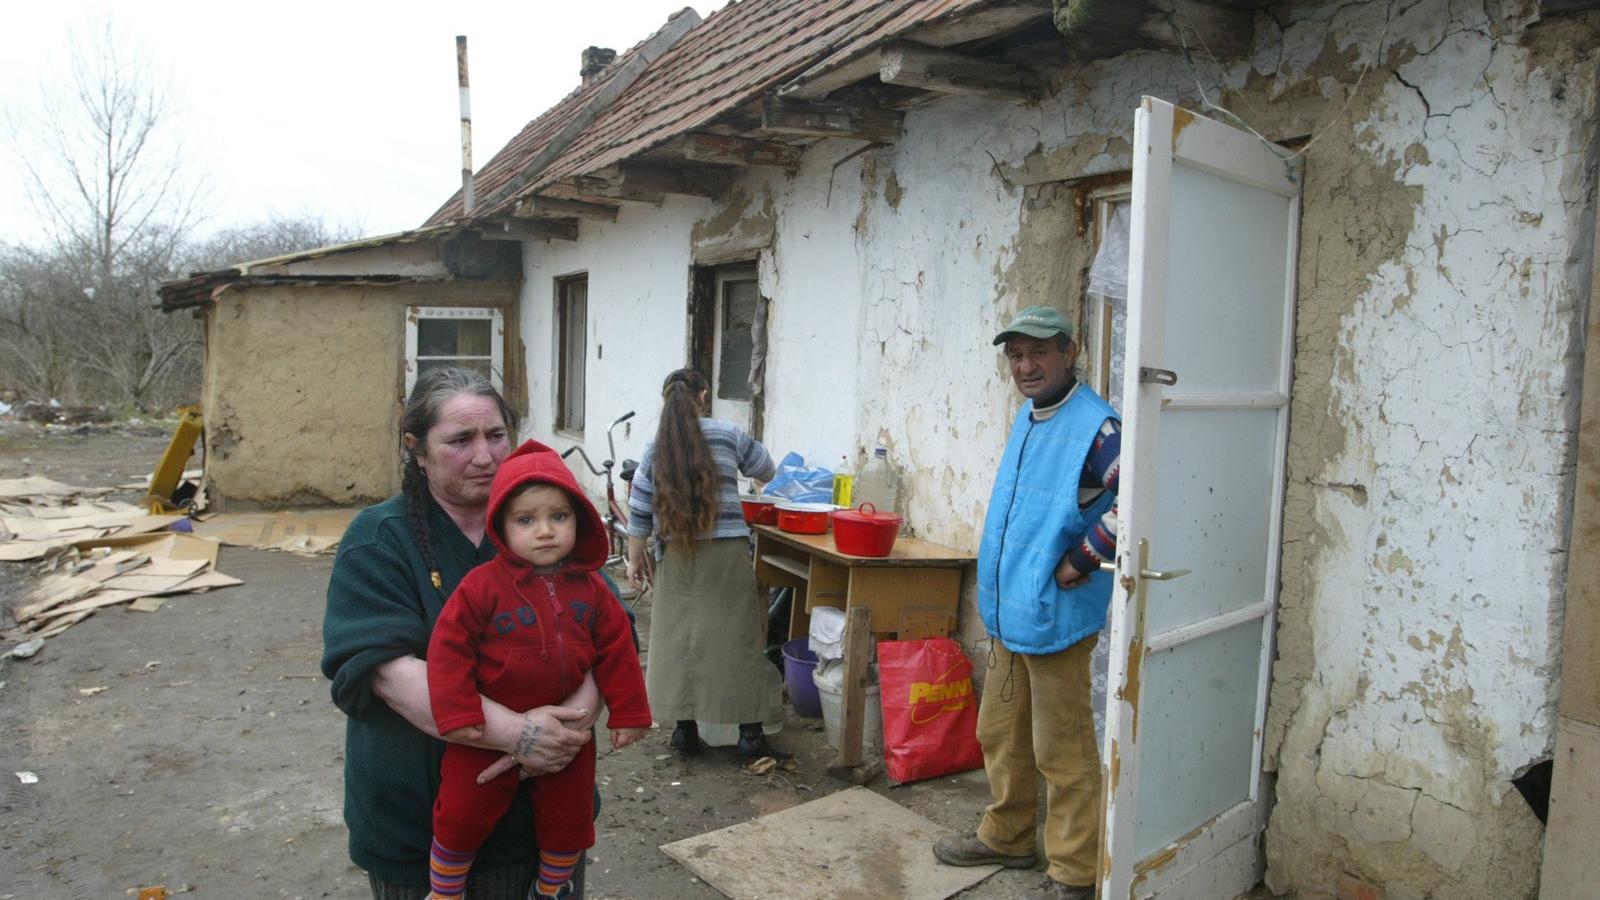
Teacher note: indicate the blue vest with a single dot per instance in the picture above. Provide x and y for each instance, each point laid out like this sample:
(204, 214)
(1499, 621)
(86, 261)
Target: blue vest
(1033, 518)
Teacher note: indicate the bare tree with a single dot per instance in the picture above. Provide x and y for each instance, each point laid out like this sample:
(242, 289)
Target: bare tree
(103, 167)
(118, 197)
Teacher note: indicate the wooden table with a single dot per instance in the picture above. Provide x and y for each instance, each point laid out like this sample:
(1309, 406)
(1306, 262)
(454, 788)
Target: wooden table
(911, 593)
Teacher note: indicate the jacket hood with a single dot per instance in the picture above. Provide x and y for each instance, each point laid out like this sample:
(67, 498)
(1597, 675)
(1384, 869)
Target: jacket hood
(534, 462)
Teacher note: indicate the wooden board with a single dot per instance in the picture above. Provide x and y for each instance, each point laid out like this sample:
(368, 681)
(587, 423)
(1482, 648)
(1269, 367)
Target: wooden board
(853, 844)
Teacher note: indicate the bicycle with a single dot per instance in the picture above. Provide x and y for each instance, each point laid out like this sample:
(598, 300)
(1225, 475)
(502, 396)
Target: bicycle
(615, 516)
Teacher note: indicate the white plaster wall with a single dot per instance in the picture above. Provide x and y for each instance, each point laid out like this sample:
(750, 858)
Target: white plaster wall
(813, 279)
(638, 270)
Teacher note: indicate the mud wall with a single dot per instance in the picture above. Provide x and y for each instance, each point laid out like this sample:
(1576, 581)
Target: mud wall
(303, 387)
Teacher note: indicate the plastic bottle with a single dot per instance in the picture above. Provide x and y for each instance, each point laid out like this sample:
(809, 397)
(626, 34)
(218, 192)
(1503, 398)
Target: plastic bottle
(843, 482)
(878, 484)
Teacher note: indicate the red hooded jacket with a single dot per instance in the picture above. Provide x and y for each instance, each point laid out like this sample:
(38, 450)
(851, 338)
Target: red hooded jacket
(524, 639)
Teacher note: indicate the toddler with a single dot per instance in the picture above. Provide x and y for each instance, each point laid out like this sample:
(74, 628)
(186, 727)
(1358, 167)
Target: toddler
(523, 629)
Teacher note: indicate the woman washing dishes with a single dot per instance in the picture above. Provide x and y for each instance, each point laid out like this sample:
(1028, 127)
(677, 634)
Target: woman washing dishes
(709, 626)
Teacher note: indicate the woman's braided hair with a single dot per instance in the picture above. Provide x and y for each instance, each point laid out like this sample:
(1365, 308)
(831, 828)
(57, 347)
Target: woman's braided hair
(433, 390)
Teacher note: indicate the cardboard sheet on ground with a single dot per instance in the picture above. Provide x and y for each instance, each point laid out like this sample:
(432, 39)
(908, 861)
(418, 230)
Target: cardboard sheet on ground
(309, 532)
(114, 571)
(853, 844)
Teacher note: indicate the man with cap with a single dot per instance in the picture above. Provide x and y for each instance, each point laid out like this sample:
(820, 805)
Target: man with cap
(1042, 595)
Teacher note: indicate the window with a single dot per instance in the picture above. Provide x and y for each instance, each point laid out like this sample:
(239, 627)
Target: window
(440, 336)
(1106, 296)
(737, 297)
(572, 323)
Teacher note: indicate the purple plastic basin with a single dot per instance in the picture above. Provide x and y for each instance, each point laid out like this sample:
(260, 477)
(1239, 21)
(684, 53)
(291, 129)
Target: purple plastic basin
(798, 662)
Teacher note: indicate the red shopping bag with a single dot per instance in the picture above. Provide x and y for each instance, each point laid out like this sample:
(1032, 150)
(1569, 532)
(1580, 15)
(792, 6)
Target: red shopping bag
(930, 714)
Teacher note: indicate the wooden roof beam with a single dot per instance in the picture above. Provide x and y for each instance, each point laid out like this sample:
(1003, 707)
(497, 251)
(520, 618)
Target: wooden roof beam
(728, 150)
(984, 23)
(530, 230)
(702, 183)
(542, 207)
(946, 72)
(612, 189)
(842, 118)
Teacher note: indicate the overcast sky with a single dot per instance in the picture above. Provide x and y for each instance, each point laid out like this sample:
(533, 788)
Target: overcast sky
(338, 108)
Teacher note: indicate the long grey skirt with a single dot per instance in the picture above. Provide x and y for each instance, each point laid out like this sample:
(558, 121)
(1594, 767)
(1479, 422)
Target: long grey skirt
(708, 631)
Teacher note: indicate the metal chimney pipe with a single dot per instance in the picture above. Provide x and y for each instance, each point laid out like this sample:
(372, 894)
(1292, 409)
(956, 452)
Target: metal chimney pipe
(467, 200)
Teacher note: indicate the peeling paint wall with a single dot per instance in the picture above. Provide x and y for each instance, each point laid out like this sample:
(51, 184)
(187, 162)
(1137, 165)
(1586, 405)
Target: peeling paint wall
(1445, 245)
(303, 387)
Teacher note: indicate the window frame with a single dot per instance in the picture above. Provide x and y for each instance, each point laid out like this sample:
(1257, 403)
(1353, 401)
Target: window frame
(1097, 313)
(570, 412)
(497, 340)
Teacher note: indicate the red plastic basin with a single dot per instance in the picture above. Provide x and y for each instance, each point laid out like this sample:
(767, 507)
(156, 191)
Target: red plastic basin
(804, 518)
(759, 510)
(865, 531)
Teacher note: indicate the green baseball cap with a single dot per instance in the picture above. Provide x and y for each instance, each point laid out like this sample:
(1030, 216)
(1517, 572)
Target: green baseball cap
(1036, 322)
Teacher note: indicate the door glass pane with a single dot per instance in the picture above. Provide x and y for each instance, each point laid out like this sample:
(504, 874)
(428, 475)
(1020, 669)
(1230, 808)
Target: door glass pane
(1225, 284)
(453, 337)
(1213, 512)
(1196, 731)
(738, 316)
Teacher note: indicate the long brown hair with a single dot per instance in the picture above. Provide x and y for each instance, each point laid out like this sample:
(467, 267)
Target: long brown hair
(688, 494)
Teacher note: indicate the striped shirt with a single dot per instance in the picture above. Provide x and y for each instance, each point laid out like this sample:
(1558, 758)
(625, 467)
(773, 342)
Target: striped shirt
(1100, 470)
(734, 452)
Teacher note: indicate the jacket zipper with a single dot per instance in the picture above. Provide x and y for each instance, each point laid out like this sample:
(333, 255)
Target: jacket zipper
(1005, 527)
(561, 645)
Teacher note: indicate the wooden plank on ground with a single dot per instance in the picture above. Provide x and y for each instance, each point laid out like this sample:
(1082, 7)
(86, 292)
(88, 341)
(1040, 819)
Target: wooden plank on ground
(854, 843)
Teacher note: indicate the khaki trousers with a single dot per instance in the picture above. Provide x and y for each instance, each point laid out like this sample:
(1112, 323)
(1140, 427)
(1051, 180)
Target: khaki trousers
(1036, 718)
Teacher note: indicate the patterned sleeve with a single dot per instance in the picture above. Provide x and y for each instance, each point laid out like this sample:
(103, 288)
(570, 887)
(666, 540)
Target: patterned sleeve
(1101, 470)
(754, 460)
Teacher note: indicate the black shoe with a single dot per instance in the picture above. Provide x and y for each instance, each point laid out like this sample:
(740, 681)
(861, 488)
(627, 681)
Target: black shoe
(753, 745)
(686, 739)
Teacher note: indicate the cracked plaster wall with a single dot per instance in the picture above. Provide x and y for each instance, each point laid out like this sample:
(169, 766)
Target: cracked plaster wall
(303, 388)
(1444, 248)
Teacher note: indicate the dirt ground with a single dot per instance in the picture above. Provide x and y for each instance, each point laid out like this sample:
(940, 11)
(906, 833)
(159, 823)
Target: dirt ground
(211, 764)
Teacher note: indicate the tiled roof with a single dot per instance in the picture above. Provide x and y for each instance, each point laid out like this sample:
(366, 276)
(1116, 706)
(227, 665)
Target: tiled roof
(730, 59)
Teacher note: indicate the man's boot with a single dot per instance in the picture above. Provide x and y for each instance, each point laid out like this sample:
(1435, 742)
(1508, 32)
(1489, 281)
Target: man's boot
(967, 850)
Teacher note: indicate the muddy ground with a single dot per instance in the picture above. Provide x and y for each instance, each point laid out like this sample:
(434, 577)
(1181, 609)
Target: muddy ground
(211, 763)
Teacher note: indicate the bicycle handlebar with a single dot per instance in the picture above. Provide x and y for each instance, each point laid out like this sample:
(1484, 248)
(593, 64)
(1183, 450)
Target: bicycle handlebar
(578, 449)
(611, 444)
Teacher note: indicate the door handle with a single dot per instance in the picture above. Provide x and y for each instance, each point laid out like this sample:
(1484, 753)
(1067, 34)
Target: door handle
(1149, 573)
(1153, 575)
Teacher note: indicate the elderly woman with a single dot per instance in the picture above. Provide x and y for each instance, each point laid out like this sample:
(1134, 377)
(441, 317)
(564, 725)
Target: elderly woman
(397, 564)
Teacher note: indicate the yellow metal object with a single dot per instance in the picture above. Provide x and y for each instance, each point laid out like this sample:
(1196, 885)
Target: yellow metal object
(169, 471)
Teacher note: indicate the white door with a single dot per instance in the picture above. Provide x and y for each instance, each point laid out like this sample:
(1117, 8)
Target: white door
(733, 340)
(1210, 336)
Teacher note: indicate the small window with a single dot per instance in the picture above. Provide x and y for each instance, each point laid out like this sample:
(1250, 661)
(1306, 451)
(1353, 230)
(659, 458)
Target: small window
(572, 323)
(442, 336)
(1106, 296)
(737, 319)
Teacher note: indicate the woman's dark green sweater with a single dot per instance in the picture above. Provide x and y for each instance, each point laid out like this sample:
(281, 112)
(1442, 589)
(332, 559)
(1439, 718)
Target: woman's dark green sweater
(382, 605)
